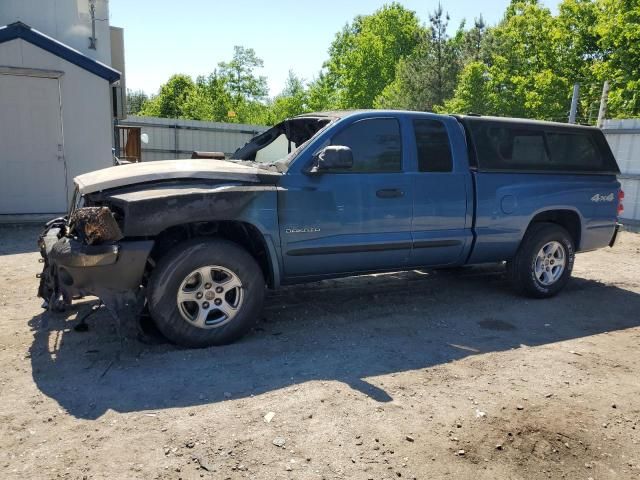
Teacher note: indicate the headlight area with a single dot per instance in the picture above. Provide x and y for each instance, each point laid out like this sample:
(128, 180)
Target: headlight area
(94, 225)
(89, 256)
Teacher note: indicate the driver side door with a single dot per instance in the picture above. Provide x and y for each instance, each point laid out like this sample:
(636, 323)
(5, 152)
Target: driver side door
(338, 222)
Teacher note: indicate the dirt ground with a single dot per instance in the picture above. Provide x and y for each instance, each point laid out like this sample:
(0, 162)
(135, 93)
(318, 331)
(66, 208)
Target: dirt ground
(409, 375)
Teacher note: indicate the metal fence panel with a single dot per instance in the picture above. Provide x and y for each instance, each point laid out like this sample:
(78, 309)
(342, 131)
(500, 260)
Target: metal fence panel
(176, 138)
(631, 203)
(624, 138)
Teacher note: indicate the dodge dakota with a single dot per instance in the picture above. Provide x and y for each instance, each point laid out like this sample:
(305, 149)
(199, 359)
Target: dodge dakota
(197, 241)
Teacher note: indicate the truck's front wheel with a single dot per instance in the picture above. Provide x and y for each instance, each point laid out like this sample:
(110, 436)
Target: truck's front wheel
(206, 292)
(543, 264)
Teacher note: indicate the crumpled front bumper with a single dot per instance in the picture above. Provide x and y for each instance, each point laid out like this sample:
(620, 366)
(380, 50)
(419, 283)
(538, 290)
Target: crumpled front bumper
(73, 269)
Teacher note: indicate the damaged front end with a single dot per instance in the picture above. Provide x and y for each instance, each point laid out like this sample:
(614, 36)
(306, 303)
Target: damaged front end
(84, 254)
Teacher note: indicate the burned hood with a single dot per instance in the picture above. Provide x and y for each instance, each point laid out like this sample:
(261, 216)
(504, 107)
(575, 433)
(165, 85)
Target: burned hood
(144, 172)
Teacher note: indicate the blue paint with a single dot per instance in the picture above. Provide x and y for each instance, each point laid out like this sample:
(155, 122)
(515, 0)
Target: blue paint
(333, 224)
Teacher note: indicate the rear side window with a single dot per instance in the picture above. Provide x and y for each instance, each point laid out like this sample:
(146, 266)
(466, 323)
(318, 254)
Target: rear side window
(432, 143)
(573, 150)
(537, 147)
(376, 145)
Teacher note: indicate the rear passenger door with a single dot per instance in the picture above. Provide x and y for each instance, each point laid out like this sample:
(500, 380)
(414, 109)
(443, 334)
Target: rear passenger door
(442, 192)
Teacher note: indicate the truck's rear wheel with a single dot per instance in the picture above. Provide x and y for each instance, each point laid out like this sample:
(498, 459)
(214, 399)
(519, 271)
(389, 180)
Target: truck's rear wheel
(543, 264)
(206, 292)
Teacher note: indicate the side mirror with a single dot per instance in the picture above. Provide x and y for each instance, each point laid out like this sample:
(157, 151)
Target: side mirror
(333, 157)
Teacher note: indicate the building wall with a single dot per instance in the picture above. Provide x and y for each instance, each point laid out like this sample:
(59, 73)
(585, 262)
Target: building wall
(86, 115)
(68, 21)
(117, 62)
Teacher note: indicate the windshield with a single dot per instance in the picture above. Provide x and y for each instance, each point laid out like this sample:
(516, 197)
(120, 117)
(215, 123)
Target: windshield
(279, 145)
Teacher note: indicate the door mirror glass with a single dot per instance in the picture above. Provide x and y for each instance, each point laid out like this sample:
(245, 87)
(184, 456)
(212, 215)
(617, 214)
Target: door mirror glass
(333, 157)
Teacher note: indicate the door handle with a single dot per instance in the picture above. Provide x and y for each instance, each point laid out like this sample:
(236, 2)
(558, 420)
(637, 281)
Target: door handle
(389, 193)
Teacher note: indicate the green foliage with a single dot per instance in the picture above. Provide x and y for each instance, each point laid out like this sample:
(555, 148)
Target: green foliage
(476, 44)
(135, 100)
(240, 77)
(322, 93)
(170, 101)
(525, 66)
(618, 37)
(473, 93)
(525, 62)
(364, 55)
(426, 78)
(532, 59)
(293, 101)
(232, 93)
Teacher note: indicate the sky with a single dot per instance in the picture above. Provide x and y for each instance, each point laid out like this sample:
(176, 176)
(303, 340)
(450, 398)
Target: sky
(164, 37)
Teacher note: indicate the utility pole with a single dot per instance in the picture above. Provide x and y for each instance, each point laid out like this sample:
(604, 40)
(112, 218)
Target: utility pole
(574, 103)
(603, 103)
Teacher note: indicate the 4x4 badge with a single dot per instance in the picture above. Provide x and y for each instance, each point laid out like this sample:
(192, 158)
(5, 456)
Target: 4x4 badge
(602, 198)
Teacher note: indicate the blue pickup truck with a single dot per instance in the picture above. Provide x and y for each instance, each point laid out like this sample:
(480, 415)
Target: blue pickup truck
(326, 195)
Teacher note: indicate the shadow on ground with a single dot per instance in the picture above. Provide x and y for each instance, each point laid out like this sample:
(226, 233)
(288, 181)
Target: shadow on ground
(347, 330)
(16, 239)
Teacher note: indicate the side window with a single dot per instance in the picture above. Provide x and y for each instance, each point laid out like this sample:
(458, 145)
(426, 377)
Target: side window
(573, 150)
(520, 147)
(528, 148)
(432, 142)
(507, 148)
(376, 145)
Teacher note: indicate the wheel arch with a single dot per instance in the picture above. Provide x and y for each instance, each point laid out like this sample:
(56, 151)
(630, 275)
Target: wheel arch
(245, 234)
(566, 217)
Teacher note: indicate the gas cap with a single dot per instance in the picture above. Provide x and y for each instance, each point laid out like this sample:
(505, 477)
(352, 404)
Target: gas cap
(508, 204)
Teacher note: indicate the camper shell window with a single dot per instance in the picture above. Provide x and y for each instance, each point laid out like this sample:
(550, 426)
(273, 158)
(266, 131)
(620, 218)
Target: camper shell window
(501, 145)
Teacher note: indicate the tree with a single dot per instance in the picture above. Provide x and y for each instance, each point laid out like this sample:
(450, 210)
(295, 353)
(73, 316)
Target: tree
(291, 102)
(210, 99)
(473, 45)
(576, 30)
(239, 75)
(525, 66)
(363, 56)
(322, 93)
(427, 77)
(232, 93)
(618, 37)
(170, 100)
(473, 93)
(135, 101)
(525, 73)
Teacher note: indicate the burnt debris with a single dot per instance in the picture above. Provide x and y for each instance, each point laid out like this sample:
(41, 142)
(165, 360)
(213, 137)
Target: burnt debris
(95, 225)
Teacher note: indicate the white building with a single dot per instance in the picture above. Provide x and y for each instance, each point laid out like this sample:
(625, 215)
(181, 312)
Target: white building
(57, 100)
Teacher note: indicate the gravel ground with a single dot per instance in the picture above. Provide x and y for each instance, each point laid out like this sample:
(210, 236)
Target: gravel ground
(407, 375)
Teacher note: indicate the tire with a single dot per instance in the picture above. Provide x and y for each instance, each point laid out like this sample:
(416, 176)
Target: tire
(183, 303)
(532, 272)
